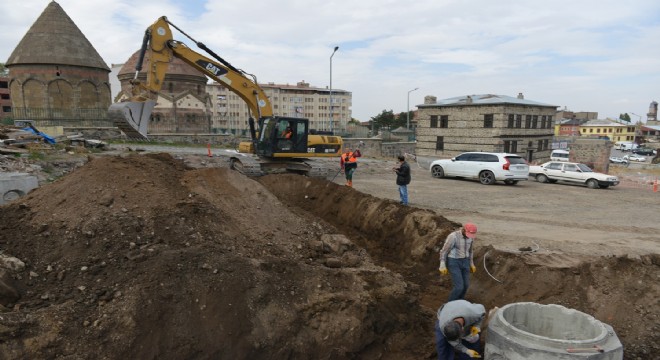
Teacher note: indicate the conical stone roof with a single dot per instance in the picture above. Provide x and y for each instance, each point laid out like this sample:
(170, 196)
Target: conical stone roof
(55, 39)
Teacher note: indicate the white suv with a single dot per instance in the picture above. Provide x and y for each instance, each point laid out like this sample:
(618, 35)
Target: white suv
(487, 167)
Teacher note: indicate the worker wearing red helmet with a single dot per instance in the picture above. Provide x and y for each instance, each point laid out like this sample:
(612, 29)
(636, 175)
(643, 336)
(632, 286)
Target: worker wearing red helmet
(456, 258)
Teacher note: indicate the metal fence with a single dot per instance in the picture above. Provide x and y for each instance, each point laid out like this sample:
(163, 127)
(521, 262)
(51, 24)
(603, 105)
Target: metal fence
(64, 117)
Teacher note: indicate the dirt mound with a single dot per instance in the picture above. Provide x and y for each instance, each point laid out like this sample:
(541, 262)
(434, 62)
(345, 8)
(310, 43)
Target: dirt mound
(144, 257)
(139, 257)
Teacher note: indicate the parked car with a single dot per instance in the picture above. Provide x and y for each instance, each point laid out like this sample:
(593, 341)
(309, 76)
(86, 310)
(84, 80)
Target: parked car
(487, 167)
(618, 160)
(571, 172)
(559, 155)
(635, 157)
(644, 151)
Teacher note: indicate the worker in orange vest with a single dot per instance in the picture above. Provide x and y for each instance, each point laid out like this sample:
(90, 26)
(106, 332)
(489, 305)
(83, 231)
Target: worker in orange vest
(287, 133)
(348, 162)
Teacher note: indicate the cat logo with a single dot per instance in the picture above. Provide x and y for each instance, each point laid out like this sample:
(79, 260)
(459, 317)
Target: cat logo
(212, 68)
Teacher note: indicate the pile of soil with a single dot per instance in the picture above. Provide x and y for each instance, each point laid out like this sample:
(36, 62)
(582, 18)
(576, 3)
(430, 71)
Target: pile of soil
(142, 256)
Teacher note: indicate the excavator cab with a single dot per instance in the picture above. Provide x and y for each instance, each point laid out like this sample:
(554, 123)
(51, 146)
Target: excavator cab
(282, 135)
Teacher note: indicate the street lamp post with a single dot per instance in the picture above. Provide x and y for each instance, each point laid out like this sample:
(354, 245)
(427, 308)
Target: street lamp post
(408, 109)
(331, 112)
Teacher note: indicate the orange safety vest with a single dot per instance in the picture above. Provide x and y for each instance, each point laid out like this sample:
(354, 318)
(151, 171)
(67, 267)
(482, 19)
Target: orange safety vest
(350, 157)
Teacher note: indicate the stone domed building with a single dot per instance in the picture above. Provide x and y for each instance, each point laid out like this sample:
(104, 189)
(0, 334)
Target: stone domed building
(56, 75)
(182, 105)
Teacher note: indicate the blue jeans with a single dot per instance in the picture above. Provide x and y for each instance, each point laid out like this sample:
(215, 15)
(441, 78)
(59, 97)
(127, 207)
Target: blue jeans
(446, 351)
(403, 193)
(459, 270)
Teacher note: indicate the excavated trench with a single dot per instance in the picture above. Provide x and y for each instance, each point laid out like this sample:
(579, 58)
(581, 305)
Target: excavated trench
(406, 241)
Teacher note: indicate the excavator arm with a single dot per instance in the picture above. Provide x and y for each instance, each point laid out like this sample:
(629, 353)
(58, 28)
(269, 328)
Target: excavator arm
(133, 116)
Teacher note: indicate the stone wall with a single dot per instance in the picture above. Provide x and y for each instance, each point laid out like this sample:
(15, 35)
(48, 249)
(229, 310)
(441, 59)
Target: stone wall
(595, 153)
(378, 148)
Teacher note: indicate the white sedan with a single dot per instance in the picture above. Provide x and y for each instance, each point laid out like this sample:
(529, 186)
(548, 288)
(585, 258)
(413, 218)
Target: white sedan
(576, 173)
(635, 157)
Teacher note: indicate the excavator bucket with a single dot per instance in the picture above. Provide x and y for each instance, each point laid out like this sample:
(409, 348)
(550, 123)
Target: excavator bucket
(132, 118)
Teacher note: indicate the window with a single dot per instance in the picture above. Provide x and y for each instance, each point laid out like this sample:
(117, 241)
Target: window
(440, 143)
(543, 122)
(510, 146)
(518, 121)
(6, 109)
(488, 120)
(570, 167)
(554, 166)
(4, 85)
(444, 121)
(545, 144)
(549, 123)
(528, 122)
(4, 96)
(539, 145)
(535, 121)
(434, 121)
(510, 123)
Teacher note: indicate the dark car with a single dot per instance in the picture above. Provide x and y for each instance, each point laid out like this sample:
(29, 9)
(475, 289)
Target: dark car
(643, 151)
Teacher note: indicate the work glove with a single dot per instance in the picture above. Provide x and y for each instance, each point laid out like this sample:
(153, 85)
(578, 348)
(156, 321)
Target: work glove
(473, 354)
(472, 338)
(474, 331)
(473, 269)
(443, 268)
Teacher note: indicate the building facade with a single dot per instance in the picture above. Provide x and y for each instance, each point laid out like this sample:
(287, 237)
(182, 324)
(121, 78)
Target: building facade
(182, 104)
(231, 114)
(56, 75)
(490, 123)
(606, 128)
(5, 98)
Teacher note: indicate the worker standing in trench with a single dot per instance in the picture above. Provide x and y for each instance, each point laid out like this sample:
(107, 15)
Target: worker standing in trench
(456, 258)
(457, 327)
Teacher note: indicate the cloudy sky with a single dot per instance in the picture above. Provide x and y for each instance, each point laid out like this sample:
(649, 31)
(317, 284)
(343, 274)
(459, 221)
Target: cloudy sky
(588, 55)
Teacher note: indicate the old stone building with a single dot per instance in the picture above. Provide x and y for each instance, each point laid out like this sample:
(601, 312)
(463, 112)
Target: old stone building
(182, 104)
(5, 98)
(56, 75)
(491, 123)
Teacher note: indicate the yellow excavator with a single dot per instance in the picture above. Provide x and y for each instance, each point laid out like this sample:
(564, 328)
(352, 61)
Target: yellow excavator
(276, 143)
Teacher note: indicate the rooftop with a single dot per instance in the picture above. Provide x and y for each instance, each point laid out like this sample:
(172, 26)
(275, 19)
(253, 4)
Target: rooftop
(486, 99)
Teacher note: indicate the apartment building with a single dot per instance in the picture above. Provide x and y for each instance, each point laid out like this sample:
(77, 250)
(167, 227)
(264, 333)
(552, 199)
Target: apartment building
(614, 131)
(5, 98)
(319, 105)
(491, 123)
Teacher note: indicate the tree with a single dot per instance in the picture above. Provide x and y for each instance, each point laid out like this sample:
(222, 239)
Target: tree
(624, 117)
(384, 119)
(3, 70)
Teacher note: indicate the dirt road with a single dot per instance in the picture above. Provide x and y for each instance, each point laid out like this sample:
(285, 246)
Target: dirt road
(559, 218)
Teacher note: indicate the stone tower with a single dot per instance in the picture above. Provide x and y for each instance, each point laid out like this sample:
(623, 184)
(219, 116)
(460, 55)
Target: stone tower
(55, 72)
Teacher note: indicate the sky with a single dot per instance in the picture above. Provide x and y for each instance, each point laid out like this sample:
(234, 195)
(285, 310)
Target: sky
(601, 56)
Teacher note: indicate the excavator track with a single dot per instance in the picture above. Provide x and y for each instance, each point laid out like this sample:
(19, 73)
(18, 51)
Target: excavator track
(319, 169)
(246, 165)
(253, 167)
